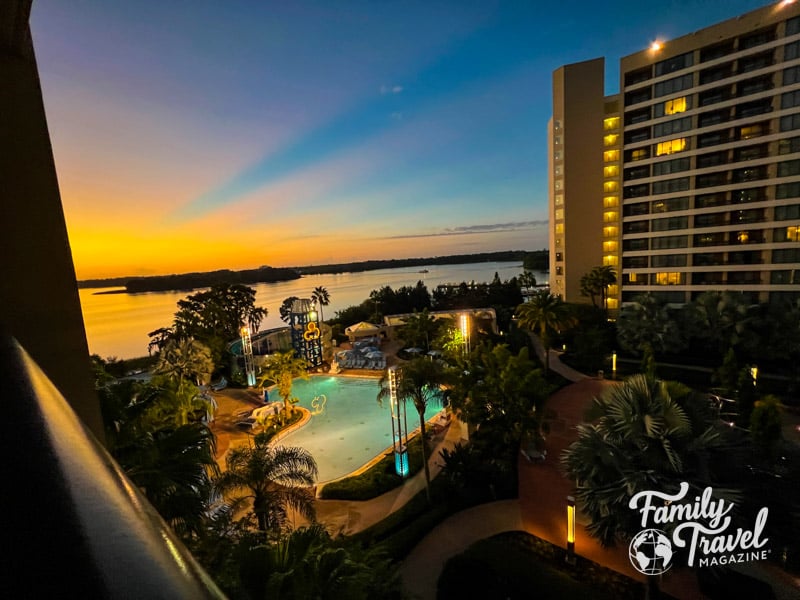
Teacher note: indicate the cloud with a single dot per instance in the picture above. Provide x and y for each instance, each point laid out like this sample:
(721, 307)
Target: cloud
(475, 229)
(390, 89)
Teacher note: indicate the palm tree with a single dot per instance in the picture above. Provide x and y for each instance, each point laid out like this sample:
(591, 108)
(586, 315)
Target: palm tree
(183, 359)
(543, 314)
(596, 283)
(420, 381)
(274, 478)
(281, 369)
(649, 435)
(321, 297)
(285, 309)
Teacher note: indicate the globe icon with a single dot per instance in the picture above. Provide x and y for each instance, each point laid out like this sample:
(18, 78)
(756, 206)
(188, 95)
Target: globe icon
(650, 552)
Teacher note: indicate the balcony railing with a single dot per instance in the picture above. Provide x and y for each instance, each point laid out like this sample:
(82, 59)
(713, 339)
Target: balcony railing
(73, 524)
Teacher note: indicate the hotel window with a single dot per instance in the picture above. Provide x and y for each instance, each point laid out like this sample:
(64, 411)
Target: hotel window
(670, 224)
(790, 99)
(756, 62)
(756, 194)
(634, 262)
(638, 76)
(676, 63)
(786, 213)
(637, 172)
(751, 152)
(790, 122)
(609, 246)
(609, 231)
(718, 94)
(714, 117)
(559, 228)
(610, 186)
(558, 155)
(791, 75)
(610, 216)
(611, 171)
(560, 256)
(790, 255)
(671, 166)
(673, 85)
(668, 260)
(674, 126)
(783, 277)
(752, 109)
(671, 147)
(711, 179)
(559, 214)
(638, 154)
(789, 167)
(637, 135)
(673, 107)
(558, 242)
(635, 227)
(793, 26)
(635, 245)
(671, 205)
(637, 116)
(753, 131)
(789, 145)
(559, 199)
(787, 234)
(610, 201)
(634, 210)
(673, 278)
(637, 96)
(716, 73)
(610, 260)
(787, 190)
(634, 279)
(559, 184)
(610, 140)
(750, 174)
(757, 84)
(636, 191)
(611, 156)
(559, 270)
(756, 39)
(669, 242)
(710, 200)
(713, 138)
(677, 105)
(558, 171)
(716, 51)
(671, 185)
(611, 123)
(557, 125)
(791, 51)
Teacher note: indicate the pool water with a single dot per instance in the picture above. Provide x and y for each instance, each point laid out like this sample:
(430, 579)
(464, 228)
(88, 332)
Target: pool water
(352, 428)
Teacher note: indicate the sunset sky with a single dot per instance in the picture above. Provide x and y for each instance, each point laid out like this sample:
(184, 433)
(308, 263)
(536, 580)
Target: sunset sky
(197, 135)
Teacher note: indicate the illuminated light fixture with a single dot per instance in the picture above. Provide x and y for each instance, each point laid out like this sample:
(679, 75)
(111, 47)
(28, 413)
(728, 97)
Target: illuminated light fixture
(247, 353)
(465, 332)
(397, 409)
(571, 529)
(754, 374)
(787, 2)
(614, 364)
(655, 46)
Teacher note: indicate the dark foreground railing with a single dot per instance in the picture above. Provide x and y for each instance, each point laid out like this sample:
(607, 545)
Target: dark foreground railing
(73, 526)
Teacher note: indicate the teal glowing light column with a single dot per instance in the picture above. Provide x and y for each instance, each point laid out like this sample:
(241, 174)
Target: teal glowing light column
(397, 408)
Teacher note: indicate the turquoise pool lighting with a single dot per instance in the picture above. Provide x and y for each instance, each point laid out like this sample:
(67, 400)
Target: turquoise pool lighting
(352, 428)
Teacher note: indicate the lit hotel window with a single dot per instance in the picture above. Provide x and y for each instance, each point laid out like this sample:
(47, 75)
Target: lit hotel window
(610, 186)
(611, 201)
(609, 232)
(609, 246)
(639, 154)
(559, 199)
(610, 140)
(559, 228)
(559, 184)
(611, 123)
(611, 302)
(609, 260)
(668, 279)
(632, 277)
(671, 147)
(793, 234)
(672, 107)
(610, 216)
(558, 155)
(611, 155)
(611, 171)
(559, 214)
(557, 140)
(558, 171)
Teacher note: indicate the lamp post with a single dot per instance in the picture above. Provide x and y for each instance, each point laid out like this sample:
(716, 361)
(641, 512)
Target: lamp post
(571, 530)
(247, 352)
(614, 364)
(397, 408)
(465, 332)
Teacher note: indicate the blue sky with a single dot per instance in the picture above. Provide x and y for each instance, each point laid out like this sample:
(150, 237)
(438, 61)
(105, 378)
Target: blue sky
(193, 135)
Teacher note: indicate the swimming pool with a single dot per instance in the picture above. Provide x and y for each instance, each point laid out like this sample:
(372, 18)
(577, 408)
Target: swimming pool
(352, 428)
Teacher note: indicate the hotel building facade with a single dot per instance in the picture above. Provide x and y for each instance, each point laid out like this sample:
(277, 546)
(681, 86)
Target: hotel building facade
(688, 180)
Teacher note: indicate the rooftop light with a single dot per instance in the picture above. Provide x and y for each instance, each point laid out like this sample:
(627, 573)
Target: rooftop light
(656, 46)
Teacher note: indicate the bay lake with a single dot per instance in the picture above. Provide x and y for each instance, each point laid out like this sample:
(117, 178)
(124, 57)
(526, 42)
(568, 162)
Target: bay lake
(117, 324)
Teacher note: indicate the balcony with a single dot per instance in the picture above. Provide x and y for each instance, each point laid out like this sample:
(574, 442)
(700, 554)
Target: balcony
(82, 529)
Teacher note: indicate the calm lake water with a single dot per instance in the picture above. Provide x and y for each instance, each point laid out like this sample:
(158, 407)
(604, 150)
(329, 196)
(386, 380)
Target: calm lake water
(118, 324)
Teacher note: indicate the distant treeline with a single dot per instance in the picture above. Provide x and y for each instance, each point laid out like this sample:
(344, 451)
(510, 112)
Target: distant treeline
(535, 261)
(399, 263)
(191, 281)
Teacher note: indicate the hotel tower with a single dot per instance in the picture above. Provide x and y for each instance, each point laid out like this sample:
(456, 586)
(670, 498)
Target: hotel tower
(688, 180)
